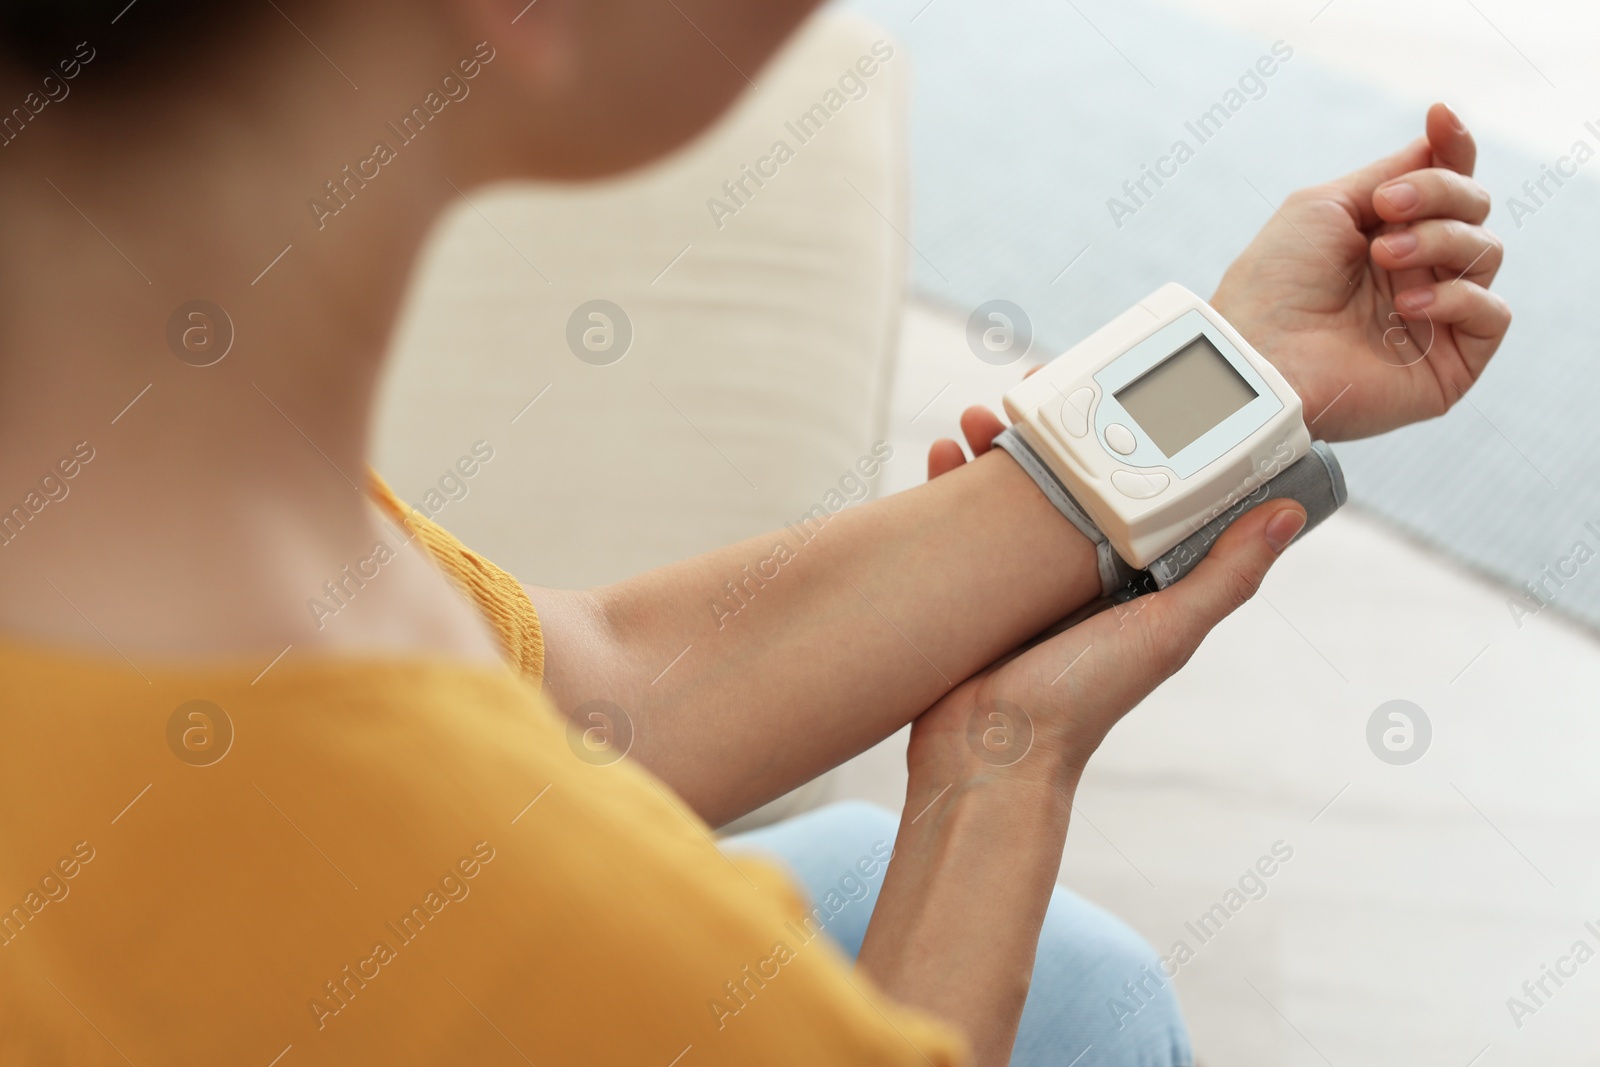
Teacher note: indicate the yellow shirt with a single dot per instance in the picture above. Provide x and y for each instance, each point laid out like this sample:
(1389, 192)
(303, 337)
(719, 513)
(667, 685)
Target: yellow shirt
(384, 862)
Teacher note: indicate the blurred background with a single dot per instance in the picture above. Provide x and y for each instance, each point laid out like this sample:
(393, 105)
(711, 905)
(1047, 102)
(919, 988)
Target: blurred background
(746, 355)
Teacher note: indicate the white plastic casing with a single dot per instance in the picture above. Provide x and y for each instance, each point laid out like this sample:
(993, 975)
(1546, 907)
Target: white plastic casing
(1065, 410)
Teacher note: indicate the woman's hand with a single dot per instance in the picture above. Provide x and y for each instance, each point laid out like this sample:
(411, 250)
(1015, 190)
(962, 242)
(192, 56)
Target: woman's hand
(1370, 293)
(1373, 302)
(993, 768)
(990, 698)
(1038, 717)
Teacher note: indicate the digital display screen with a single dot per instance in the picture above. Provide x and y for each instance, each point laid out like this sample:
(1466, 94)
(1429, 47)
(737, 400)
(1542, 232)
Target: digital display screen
(1179, 399)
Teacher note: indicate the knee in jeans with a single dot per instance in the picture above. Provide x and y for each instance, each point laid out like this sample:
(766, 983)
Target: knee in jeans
(856, 821)
(1101, 983)
(1144, 1025)
(1144, 1014)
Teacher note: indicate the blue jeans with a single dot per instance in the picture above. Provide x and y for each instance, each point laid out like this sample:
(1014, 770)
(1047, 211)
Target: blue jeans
(1081, 1010)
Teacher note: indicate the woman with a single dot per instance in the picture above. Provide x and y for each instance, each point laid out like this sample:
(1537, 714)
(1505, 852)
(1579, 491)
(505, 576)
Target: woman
(242, 834)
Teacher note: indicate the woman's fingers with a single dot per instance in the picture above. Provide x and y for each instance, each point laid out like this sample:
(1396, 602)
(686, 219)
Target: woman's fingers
(1081, 682)
(1467, 306)
(980, 426)
(1449, 245)
(1179, 617)
(1447, 146)
(1444, 206)
(1478, 318)
(1431, 193)
(1453, 146)
(1358, 186)
(944, 456)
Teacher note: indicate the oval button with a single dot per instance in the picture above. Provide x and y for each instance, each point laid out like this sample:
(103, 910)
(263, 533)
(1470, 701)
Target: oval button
(1075, 411)
(1121, 439)
(1137, 484)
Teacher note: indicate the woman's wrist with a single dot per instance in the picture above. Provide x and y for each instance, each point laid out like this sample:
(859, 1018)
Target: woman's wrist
(953, 806)
(1239, 315)
(977, 736)
(1039, 787)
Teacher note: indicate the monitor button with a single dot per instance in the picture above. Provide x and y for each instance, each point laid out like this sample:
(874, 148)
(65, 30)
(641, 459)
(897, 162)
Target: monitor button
(1075, 411)
(1137, 484)
(1121, 439)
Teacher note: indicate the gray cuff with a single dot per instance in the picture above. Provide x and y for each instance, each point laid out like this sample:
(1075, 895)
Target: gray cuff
(1315, 480)
(1114, 573)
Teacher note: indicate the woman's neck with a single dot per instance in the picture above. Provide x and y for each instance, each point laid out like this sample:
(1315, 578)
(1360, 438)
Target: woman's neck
(207, 505)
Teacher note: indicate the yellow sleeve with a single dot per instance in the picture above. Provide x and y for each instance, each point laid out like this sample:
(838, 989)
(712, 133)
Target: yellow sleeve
(498, 594)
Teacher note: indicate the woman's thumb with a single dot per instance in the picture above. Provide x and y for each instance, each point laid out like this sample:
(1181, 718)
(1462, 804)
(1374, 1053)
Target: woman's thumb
(1235, 567)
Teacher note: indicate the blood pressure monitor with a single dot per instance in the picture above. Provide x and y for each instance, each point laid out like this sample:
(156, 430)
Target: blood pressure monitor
(1157, 425)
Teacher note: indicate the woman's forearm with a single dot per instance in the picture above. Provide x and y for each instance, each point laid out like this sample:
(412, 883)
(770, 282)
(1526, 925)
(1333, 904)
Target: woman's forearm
(751, 669)
(956, 927)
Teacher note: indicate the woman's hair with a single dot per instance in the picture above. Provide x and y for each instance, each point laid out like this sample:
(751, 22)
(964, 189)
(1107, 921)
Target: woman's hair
(140, 38)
